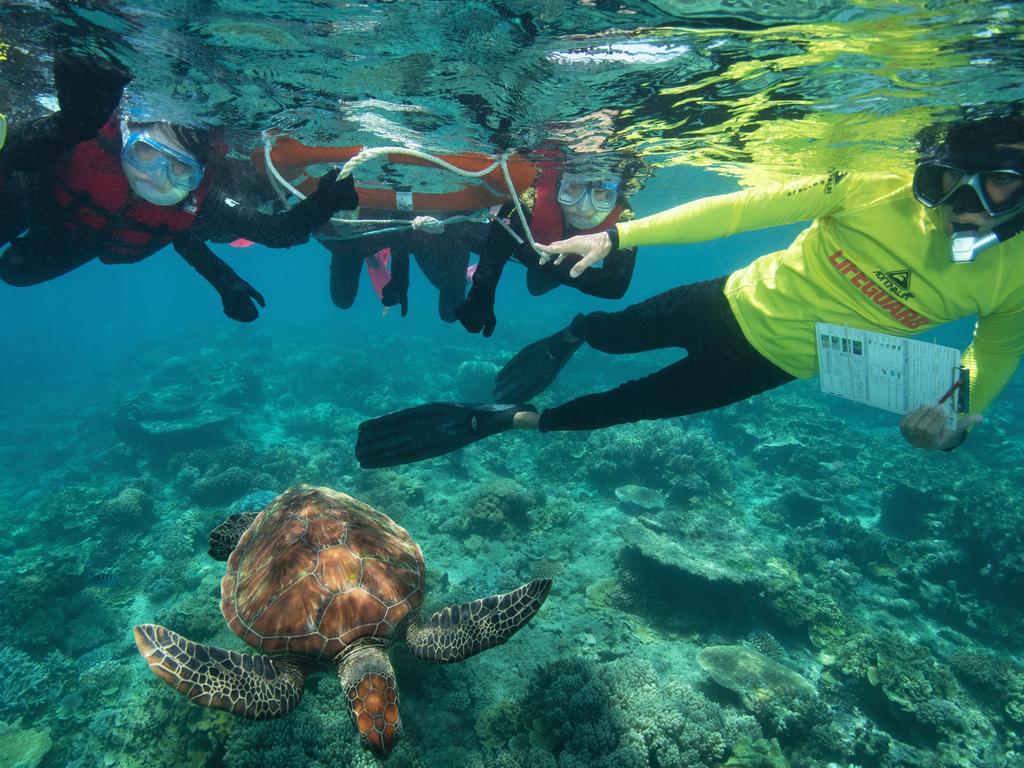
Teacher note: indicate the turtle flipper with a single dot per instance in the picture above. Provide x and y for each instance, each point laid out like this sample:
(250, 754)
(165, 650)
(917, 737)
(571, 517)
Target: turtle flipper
(245, 684)
(224, 538)
(459, 631)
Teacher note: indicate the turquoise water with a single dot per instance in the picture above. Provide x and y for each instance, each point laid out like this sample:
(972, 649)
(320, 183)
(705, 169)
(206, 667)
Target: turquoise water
(793, 525)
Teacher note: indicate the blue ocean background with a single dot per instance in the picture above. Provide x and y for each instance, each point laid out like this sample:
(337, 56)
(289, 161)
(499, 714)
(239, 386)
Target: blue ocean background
(781, 582)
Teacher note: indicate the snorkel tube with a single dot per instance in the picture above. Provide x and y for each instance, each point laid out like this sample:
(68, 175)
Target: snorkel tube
(967, 244)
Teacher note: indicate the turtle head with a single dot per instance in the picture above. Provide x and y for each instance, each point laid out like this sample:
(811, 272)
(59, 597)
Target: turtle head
(368, 680)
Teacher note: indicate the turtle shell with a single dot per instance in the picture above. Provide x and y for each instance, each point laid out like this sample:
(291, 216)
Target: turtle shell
(318, 570)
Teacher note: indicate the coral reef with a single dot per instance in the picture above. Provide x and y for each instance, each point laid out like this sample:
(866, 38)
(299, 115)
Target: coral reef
(782, 528)
(130, 508)
(624, 714)
(781, 699)
(496, 506)
(497, 726)
(20, 681)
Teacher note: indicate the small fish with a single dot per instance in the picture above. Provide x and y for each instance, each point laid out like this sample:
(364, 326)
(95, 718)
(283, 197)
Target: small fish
(105, 580)
(639, 496)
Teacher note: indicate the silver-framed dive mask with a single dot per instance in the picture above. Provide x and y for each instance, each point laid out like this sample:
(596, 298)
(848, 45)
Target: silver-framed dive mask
(970, 182)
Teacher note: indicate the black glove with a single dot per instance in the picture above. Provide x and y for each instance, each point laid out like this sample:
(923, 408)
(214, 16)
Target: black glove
(476, 313)
(238, 301)
(334, 194)
(88, 92)
(396, 290)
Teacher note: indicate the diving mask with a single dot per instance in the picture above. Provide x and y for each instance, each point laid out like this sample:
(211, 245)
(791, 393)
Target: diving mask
(603, 194)
(151, 155)
(989, 182)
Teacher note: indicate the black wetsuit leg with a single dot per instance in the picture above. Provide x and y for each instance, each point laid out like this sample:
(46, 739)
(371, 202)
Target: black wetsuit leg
(721, 367)
(347, 258)
(539, 282)
(40, 254)
(444, 258)
(447, 273)
(36, 258)
(16, 200)
(36, 255)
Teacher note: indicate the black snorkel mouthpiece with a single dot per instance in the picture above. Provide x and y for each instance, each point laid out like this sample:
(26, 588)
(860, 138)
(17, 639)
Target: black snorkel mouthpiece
(967, 243)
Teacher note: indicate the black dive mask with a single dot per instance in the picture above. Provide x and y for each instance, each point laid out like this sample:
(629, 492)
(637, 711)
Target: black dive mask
(989, 181)
(972, 182)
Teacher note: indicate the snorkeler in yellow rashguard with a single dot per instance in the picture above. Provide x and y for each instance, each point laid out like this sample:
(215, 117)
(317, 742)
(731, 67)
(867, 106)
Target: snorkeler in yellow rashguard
(883, 253)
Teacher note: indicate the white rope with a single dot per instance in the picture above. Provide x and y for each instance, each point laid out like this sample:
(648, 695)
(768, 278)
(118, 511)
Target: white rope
(519, 210)
(425, 223)
(400, 225)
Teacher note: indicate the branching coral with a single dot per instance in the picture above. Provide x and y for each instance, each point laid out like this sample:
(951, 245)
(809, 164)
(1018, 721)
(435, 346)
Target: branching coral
(130, 507)
(497, 725)
(222, 487)
(682, 461)
(906, 674)
(20, 680)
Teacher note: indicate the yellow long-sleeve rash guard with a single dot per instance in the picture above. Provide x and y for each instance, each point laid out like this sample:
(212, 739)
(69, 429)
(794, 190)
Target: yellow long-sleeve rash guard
(872, 258)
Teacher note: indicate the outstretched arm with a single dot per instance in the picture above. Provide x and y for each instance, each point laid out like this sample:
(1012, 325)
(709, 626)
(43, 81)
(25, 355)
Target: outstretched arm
(476, 313)
(88, 92)
(281, 230)
(237, 296)
(709, 218)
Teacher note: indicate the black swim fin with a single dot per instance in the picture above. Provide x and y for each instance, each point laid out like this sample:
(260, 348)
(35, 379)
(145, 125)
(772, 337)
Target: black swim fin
(533, 368)
(430, 430)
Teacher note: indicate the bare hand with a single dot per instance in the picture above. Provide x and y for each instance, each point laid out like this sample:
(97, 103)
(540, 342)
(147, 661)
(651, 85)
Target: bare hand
(591, 249)
(925, 427)
(428, 224)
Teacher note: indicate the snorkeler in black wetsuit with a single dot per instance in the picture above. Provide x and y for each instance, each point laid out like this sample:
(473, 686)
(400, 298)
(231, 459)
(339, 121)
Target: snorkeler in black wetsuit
(123, 190)
(559, 205)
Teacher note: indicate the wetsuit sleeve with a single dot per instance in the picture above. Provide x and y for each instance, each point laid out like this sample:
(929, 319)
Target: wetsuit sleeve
(35, 144)
(993, 356)
(220, 213)
(285, 229)
(712, 217)
(396, 290)
(610, 280)
(496, 252)
(88, 91)
(213, 269)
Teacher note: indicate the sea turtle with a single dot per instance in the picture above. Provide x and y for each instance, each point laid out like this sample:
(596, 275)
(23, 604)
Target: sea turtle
(319, 578)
